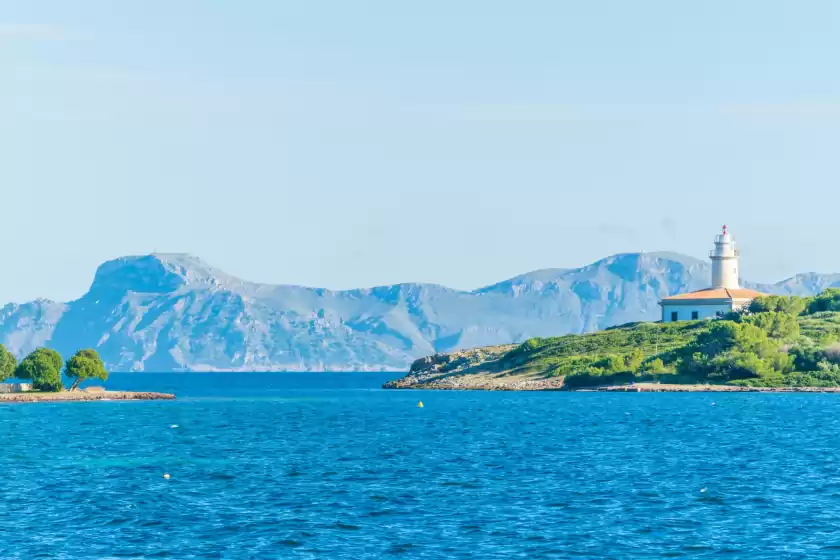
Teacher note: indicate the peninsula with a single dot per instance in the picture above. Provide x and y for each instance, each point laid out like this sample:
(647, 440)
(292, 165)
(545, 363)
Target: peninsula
(776, 343)
(722, 338)
(45, 370)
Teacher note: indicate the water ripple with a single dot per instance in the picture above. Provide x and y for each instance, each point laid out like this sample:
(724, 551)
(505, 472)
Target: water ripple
(322, 472)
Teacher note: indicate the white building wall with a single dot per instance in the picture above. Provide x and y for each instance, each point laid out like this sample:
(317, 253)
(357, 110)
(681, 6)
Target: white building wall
(684, 311)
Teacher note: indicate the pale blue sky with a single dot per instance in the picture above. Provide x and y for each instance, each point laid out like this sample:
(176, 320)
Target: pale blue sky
(348, 144)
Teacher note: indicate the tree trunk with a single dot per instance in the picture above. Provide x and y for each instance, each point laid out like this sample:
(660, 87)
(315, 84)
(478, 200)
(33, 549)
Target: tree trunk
(75, 384)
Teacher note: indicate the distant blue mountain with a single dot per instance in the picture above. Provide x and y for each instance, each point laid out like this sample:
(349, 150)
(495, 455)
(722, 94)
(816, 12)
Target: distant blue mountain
(175, 312)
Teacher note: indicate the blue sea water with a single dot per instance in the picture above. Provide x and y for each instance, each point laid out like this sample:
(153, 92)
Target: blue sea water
(330, 466)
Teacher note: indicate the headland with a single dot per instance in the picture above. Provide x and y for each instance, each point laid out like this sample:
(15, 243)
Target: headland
(774, 344)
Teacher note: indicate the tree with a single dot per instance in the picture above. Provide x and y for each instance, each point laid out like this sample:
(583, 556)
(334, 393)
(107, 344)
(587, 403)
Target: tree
(8, 363)
(792, 305)
(739, 365)
(614, 364)
(655, 366)
(721, 337)
(633, 361)
(43, 367)
(806, 358)
(829, 300)
(85, 364)
(776, 324)
(730, 351)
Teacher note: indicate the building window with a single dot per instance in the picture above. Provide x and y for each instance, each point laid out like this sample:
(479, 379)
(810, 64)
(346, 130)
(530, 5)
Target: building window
(673, 315)
(695, 315)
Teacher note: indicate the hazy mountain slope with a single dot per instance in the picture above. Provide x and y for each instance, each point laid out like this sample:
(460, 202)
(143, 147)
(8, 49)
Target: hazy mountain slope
(25, 327)
(175, 312)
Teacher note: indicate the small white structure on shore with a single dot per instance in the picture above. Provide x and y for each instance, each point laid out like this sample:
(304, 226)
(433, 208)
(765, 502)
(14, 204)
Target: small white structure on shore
(724, 296)
(15, 387)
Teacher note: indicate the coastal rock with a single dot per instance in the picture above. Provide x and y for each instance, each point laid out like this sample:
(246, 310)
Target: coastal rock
(477, 368)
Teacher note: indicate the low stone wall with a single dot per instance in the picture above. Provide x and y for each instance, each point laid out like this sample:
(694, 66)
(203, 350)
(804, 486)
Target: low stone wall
(15, 387)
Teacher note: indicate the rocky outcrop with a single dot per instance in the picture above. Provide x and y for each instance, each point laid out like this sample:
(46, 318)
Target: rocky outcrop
(454, 370)
(175, 312)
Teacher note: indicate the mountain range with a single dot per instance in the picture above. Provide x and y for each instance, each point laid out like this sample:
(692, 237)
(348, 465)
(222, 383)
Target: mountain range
(174, 312)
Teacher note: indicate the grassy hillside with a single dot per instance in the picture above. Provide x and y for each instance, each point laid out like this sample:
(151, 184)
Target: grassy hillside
(778, 341)
(823, 328)
(565, 355)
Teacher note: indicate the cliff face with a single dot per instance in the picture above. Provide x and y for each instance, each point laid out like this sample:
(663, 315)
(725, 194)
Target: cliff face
(174, 312)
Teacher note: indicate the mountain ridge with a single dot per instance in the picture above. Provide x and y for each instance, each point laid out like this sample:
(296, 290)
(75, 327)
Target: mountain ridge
(173, 312)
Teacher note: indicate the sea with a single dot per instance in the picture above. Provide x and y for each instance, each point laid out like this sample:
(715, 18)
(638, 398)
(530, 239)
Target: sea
(311, 465)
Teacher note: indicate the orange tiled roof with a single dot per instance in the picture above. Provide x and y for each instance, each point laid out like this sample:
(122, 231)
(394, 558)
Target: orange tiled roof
(716, 293)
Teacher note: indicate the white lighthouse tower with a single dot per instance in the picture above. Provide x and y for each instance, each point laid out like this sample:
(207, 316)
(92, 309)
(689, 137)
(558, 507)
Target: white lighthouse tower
(723, 296)
(724, 262)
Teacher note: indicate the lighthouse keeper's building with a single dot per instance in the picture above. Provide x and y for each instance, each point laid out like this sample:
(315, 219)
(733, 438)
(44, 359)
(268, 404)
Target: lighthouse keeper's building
(724, 296)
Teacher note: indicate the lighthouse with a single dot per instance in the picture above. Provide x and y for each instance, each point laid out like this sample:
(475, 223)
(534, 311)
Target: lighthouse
(723, 296)
(724, 262)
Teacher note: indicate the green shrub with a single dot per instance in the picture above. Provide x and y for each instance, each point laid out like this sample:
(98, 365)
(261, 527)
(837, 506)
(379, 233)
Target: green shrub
(776, 324)
(828, 300)
(655, 366)
(792, 305)
(747, 348)
(586, 379)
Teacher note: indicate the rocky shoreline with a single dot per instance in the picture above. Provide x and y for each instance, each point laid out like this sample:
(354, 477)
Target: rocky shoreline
(477, 369)
(492, 369)
(83, 396)
(671, 388)
(490, 383)
(478, 382)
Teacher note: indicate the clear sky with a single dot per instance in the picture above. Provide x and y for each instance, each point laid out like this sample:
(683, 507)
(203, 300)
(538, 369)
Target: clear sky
(348, 144)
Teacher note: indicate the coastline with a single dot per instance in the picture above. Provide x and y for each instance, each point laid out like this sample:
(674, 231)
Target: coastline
(477, 382)
(696, 388)
(82, 396)
(491, 383)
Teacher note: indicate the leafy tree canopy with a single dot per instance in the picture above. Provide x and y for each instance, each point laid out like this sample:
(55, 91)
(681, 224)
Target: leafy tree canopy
(85, 364)
(43, 367)
(731, 350)
(8, 364)
(779, 304)
(777, 324)
(829, 300)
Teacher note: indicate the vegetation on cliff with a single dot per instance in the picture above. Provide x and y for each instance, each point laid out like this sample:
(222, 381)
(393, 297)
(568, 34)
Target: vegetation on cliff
(777, 341)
